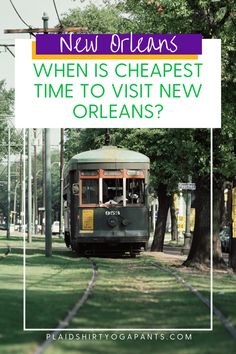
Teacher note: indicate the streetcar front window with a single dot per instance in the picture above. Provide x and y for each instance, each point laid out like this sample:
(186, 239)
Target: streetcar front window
(90, 191)
(113, 191)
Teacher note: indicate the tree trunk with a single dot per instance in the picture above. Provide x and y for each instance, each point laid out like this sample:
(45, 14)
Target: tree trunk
(200, 248)
(217, 218)
(174, 229)
(164, 201)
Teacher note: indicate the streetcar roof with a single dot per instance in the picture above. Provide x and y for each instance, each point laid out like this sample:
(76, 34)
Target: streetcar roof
(109, 154)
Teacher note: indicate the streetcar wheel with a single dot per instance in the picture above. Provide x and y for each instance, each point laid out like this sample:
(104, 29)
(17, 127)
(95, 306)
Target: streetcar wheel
(133, 254)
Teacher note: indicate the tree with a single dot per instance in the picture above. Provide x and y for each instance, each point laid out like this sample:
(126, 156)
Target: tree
(78, 140)
(212, 19)
(174, 154)
(6, 111)
(106, 19)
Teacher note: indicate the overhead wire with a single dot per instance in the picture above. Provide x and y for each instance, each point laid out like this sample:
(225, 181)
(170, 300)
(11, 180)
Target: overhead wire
(55, 7)
(20, 17)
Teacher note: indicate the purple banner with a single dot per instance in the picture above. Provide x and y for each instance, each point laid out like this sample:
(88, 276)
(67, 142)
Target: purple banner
(116, 44)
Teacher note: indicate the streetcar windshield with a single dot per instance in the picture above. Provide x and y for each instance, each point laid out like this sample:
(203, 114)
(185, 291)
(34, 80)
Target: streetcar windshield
(113, 190)
(111, 187)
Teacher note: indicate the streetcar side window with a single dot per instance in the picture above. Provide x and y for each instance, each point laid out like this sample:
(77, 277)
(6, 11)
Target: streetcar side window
(135, 191)
(90, 191)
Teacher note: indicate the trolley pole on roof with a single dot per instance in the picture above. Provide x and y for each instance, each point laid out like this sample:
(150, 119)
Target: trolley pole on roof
(107, 137)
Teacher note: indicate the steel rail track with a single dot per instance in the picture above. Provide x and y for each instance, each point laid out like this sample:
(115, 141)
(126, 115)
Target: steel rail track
(72, 313)
(226, 323)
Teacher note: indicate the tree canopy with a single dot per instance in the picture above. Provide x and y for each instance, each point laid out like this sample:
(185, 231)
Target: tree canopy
(175, 154)
(6, 112)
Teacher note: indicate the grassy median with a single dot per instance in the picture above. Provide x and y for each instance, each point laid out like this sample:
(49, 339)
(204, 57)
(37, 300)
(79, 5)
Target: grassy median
(129, 293)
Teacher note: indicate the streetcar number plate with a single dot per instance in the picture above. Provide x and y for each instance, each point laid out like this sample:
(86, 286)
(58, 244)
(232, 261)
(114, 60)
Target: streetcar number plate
(112, 212)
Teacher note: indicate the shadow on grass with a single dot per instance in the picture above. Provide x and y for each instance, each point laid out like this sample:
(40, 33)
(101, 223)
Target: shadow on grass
(200, 343)
(107, 309)
(129, 294)
(164, 343)
(15, 257)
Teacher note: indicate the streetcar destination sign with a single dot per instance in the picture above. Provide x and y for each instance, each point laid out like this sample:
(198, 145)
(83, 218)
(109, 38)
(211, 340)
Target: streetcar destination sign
(187, 186)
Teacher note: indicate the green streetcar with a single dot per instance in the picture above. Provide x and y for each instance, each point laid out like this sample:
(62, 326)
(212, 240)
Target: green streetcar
(106, 203)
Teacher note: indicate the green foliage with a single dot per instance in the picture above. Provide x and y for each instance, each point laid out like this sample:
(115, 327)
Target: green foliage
(6, 109)
(78, 140)
(6, 99)
(214, 19)
(16, 143)
(98, 20)
(174, 153)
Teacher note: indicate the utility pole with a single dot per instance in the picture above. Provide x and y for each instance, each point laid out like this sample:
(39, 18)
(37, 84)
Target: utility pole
(35, 185)
(29, 239)
(21, 195)
(42, 30)
(9, 183)
(44, 182)
(48, 235)
(61, 183)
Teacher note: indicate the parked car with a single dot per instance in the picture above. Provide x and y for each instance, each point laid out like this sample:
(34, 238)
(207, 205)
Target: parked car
(225, 238)
(55, 227)
(3, 226)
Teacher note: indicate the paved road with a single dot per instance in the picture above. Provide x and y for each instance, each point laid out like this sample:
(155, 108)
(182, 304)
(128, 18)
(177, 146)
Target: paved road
(177, 251)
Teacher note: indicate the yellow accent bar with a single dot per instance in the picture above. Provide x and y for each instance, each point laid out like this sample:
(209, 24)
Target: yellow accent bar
(110, 56)
(85, 232)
